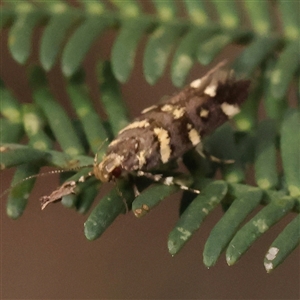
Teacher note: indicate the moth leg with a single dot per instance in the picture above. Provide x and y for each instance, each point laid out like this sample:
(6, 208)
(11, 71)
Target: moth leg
(136, 191)
(154, 177)
(186, 188)
(202, 152)
(174, 181)
(170, 180)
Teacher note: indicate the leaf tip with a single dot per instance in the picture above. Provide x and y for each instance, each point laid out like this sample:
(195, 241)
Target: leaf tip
(294, 190)
(89, 230)
(67, 70)
(231, 257)
(172, 247)
(209, 261)
(14, 212)
(141, 211)
(268, 266)
(47, 65)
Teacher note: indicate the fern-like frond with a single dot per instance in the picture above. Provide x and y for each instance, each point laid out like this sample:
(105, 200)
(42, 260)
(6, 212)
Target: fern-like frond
(73, 30)
(270, 57)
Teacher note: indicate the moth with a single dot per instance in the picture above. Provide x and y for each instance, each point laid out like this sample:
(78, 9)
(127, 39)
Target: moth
(165, 131)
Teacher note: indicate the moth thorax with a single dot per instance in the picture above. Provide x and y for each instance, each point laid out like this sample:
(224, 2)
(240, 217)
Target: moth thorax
(110, 167)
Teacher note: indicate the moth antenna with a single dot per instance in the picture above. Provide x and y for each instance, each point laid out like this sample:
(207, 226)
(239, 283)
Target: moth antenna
(41, 175)
(218, 66)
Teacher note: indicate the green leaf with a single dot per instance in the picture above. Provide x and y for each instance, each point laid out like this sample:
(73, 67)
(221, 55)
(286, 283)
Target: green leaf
(55, 34)
(274, 107)
(254, 55)
(290, 17)
(81, 41)
(166, 9)
(86, 198)
(34, 128)
(283, 245)
(107, 210)
(90, 120)
(246, 120)
(259, 16)
(124, 48)
(11, 127)
(18, 196)
(128, 8)
(266, 173)
(246, 200)
(152, 197)
(198, 166)
(245, 146)
(298, 91)
(111, 98)
(192, 218)
(290, 150)
(20, 34)
(284, 70)
(59, 122)
(22, 187)
(10, 132)
(7, 15)
(228, 14)
(158, 49)
(223, 146)
(15, 154)
(270, 59)
(197, 12)
(185, 54)
(212, 46)
(267, 217)
(9, 106)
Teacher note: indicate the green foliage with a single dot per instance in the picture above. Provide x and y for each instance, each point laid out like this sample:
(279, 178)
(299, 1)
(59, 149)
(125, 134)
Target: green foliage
(270, 57)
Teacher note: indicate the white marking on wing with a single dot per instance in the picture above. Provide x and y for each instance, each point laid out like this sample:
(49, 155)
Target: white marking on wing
(230, 109)
(137, 124)
(164, 140)
(196, 83)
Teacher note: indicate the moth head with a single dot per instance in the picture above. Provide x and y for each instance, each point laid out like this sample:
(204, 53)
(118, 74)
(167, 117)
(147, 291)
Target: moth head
(110, 167)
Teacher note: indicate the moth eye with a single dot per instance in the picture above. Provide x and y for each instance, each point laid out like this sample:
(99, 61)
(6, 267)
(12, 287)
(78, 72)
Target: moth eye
(116, 172)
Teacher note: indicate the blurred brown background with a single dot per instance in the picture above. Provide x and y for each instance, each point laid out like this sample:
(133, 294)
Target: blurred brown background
(44, 255)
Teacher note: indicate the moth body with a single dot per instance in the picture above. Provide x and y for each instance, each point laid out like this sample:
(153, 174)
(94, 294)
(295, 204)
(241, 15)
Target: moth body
(166, 131)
